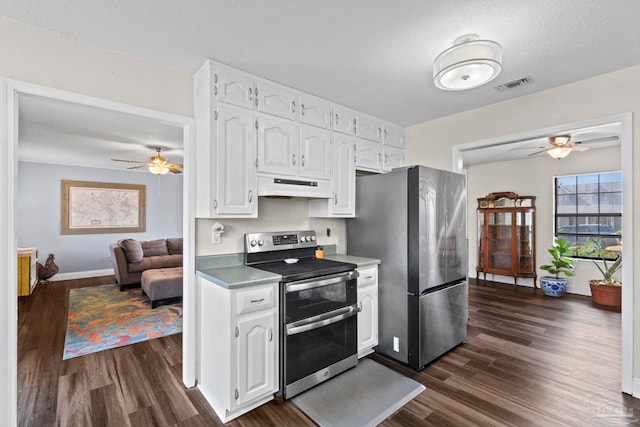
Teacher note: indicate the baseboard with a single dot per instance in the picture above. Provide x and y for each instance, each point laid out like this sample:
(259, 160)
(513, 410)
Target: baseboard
(82, 274)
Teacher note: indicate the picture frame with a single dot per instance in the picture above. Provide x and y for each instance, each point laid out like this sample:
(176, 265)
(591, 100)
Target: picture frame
(101, 207)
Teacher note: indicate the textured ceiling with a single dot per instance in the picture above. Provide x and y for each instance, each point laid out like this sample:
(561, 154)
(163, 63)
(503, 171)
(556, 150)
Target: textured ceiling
(374, 56)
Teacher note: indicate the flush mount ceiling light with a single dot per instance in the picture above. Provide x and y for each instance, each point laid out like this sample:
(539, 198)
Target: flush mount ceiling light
(469, 63)
(560, 146)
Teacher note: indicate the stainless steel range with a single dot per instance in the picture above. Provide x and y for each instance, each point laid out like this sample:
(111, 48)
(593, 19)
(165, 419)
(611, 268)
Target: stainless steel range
(318, 307)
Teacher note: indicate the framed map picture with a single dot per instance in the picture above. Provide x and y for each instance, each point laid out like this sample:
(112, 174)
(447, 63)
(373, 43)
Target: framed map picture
(101, 207)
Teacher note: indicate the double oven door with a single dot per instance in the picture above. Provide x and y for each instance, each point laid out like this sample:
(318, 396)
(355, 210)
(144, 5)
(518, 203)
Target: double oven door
(319, 330)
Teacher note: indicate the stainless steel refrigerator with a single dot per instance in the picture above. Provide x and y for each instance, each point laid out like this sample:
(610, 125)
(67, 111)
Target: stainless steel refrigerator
(414, 220)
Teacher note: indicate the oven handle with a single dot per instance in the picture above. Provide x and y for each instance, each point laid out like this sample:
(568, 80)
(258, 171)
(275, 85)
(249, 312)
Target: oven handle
(303, 285)
(321, 320)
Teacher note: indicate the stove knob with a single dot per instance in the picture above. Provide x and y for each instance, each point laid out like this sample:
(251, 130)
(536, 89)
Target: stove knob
(312, 238)
(303, 239)
(260, 243)
(253, 243)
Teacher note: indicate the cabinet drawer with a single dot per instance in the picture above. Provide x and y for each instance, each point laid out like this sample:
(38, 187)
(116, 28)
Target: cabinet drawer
(368, 277)
(250, 300)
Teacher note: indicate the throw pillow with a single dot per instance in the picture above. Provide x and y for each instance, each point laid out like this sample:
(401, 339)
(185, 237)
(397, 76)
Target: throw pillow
(132, 249)
(175, 246)
(155, 247)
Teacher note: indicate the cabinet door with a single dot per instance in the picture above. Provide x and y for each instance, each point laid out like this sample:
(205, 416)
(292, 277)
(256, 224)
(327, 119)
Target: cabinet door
(344, 176)
(256, 376)
(393, 135)
(235, 161)
(344, 121)
(315, 111)
(524, 243)
(234, 87)
(277, 100)
(315, 152)
(367, 319)
(277, 147)
(368, 127)
(499, 255)
(368, 155)
(392, 157)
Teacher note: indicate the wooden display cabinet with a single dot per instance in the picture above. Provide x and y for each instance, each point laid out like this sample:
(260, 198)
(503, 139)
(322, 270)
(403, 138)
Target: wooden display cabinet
(506, 236)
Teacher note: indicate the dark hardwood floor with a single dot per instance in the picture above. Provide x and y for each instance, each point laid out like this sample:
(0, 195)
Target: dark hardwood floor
(529, 360)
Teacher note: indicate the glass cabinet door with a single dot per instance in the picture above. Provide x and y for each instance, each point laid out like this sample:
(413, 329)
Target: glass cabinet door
(499, 240)
(524, 247)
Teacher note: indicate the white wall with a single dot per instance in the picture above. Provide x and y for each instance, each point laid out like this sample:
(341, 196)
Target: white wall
(534, 177)
(273, 215)
(31, 54)
(610, 94)
(38, 213)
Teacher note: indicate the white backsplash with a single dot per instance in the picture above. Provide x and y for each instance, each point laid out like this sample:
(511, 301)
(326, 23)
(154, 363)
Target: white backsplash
(273, 215)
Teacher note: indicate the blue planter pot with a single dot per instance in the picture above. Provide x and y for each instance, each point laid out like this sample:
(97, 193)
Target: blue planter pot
(552, 286)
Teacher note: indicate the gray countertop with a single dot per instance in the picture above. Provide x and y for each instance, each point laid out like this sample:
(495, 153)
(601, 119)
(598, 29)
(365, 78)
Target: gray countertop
(229, 272)
(237, 276)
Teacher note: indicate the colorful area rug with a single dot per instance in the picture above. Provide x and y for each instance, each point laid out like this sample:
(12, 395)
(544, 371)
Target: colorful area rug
(102, 317)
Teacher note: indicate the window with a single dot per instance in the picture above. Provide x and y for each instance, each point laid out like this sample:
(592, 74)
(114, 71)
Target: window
(589, 207)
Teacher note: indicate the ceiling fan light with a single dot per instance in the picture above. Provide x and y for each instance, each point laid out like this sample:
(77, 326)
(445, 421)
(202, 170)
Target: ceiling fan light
(559, 152)
(158, 169)
(467, 64)
(560, 139)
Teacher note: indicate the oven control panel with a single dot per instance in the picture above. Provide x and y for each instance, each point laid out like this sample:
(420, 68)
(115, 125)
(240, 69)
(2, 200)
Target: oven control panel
(279, 240)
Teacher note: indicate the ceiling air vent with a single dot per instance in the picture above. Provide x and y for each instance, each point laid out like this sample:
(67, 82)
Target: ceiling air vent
(515, 83)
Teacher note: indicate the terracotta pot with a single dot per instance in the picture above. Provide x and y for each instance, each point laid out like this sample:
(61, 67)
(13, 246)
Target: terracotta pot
(605, 294)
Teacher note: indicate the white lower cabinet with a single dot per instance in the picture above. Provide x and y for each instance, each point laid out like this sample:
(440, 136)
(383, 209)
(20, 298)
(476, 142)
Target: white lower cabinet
(238, 347)
(368, 305)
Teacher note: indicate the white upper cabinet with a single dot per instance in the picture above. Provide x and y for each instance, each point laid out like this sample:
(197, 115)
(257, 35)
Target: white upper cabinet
(277, 147)
(315, 153)
(276, 100)
(236, 172)
(392, 157)
(393, 135)
(234, 87)
(368, 127)
(343, 202)
(315, 111)
(344, 120)
(368, 155)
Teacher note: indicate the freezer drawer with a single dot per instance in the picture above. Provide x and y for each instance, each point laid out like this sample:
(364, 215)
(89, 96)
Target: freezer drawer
(441, 323)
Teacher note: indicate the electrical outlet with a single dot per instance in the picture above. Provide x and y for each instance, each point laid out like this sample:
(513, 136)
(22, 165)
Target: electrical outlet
(216, 237)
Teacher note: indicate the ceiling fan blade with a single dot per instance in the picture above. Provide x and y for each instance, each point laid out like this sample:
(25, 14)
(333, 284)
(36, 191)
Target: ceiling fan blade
(137, 167)
(578, 147)
(593, 140)
(175, 165)
(538, 152)
(127, 161)
(176, 171)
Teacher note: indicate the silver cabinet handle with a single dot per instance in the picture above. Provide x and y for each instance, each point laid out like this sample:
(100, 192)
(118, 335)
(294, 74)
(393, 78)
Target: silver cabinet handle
(254, 301)
(237, 332)
(379, 132)
(302, 160)
(270, 334)
(335, 199)
(386, 159)
(336, 118)
(293, 106)
(250, 196)
(385, 134)
(250, 94)
(302, 109)
(293, 159)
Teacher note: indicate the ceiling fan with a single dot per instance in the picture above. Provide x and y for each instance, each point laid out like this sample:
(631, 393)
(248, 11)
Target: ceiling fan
(157, 164)
(561, 145)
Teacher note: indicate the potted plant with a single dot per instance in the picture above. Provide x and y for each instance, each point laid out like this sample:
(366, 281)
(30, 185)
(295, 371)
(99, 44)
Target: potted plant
(555, 285)
(608, 290)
